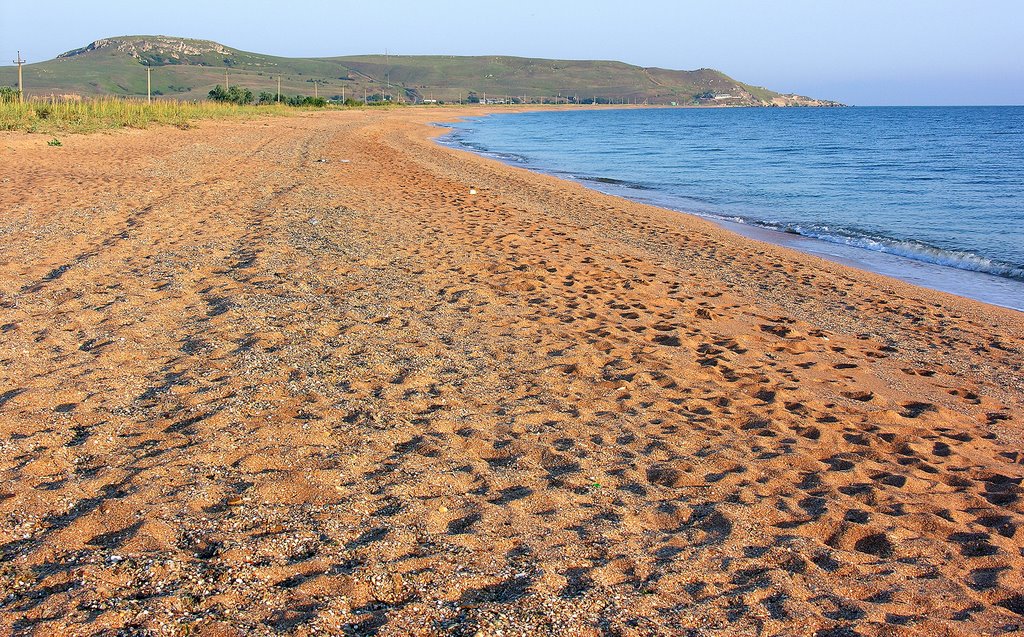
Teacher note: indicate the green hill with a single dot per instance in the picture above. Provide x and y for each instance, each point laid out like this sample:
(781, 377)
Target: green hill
(188, 69)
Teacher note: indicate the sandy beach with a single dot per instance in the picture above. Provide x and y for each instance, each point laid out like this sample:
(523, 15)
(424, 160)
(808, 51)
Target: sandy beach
(288, 376)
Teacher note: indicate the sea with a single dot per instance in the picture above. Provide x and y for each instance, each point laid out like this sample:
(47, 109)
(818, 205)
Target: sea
(930, 195)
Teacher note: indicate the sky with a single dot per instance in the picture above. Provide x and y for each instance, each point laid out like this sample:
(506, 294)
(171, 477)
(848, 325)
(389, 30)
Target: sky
(864, 52)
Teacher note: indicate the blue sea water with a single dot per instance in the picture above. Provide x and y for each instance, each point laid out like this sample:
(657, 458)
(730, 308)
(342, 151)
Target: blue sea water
(931, 195)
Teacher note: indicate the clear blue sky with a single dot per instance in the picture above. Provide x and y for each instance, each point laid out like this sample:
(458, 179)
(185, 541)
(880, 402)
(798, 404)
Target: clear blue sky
(856, 51)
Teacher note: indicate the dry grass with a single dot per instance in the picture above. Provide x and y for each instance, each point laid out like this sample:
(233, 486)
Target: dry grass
(88, 115)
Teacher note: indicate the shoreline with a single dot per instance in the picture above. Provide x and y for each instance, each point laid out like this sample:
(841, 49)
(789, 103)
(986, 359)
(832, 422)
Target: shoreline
(965, 283)
(991, 289)
(289, 375)
(888, 283)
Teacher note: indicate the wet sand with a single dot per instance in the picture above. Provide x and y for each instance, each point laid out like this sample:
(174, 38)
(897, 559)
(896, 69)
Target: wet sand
(287, 376)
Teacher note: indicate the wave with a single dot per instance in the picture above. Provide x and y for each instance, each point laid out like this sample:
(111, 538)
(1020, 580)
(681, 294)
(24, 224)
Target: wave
(613, 182)
(906, 248)
(455, 140)
(918, 251)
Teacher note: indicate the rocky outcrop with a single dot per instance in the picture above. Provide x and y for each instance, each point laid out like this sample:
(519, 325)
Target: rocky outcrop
(148, 46)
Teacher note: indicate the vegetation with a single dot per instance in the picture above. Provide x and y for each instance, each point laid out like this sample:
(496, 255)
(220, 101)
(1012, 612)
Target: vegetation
(305, 100)
(87, 115)
(242, 96)
(232, 95)
(8, 94)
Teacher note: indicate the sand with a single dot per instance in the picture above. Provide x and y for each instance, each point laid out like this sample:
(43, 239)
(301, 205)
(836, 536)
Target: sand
(287, 376)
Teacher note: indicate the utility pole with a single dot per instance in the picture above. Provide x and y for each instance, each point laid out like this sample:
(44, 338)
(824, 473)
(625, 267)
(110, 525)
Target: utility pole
(225, 78)
(149, 84)
(316, 92)
(21, 87)
(278, 89)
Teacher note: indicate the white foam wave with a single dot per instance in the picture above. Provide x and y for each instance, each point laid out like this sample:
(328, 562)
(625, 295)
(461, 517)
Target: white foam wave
(917, 251)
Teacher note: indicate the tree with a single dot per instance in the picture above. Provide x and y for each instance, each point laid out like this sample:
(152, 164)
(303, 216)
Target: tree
(234, 95)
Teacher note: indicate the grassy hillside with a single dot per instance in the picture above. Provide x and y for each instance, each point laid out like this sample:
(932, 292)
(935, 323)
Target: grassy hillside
(188, 69)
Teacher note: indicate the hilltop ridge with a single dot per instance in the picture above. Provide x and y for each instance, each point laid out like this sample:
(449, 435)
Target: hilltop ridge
(188, 68)
(140, 47)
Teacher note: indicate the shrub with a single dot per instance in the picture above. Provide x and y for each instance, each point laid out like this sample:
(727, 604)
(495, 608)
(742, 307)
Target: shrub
(233, 95)
(306, 100)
